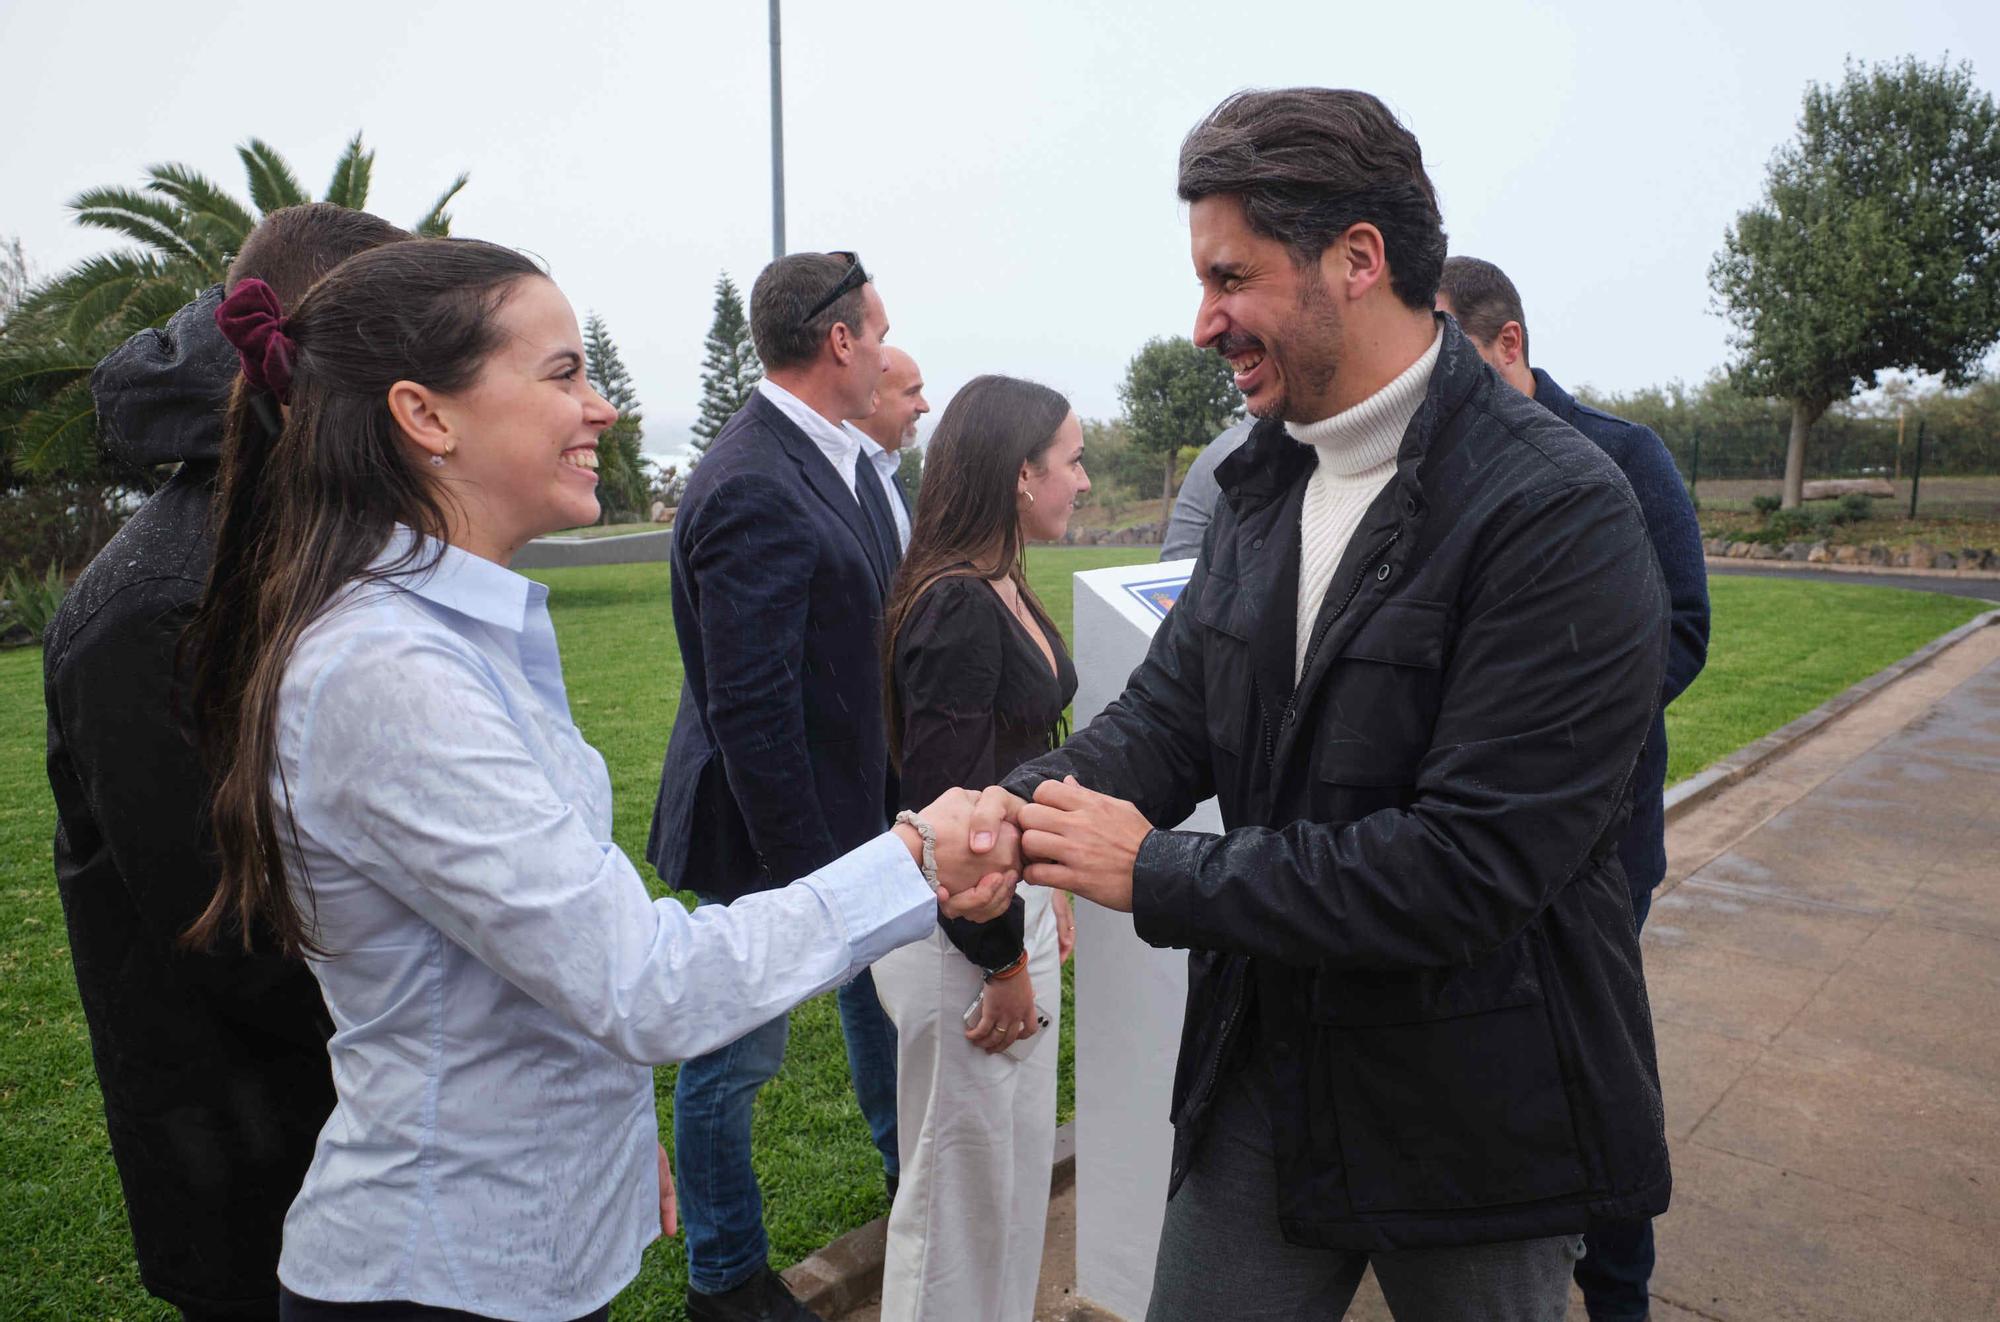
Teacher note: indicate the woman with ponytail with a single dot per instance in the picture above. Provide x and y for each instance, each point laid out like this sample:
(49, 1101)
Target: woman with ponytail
(402, 796)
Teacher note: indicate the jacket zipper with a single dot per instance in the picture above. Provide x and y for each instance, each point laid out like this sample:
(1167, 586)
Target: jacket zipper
(1291, 712)
(1199, 1096)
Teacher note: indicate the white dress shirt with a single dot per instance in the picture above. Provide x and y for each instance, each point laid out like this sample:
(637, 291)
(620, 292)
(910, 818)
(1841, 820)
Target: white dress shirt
(839, 444)
(499, 980)
(887, 463)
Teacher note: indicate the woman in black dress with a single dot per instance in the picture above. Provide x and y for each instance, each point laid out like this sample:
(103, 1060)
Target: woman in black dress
(978, 681)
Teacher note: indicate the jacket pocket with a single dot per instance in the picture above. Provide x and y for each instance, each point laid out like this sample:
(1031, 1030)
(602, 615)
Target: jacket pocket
(1379, 701)
(1446, 1088)
(1225, 655)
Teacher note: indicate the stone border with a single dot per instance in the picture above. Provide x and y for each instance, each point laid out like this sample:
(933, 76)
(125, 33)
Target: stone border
(848, 1272)
(1705, 785)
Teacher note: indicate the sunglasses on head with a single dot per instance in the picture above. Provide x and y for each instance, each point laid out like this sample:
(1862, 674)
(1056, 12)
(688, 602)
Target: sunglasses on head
(852, 280)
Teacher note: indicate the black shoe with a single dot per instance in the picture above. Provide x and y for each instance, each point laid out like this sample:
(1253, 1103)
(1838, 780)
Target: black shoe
(762, 1298)
(890, 1182)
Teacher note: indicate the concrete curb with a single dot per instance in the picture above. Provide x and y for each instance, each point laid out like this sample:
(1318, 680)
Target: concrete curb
(848, 1272)
(630, 548)
(1744, 562)
(1745, 761)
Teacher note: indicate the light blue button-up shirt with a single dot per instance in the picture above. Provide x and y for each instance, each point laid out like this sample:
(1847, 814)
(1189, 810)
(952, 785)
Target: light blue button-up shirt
(499, 980)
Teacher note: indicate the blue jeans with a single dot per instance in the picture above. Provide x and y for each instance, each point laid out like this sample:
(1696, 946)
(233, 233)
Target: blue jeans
(1617, 1263)
(721, 1207)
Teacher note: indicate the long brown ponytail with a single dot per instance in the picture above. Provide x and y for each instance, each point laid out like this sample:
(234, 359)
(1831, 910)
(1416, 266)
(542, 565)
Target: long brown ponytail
(305, 508)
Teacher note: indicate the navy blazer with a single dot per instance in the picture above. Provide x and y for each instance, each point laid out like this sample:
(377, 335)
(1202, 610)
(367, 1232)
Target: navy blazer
(1676, 534)
(778, 762)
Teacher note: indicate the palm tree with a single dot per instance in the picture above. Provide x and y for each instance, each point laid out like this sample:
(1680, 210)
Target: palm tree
(187, 230)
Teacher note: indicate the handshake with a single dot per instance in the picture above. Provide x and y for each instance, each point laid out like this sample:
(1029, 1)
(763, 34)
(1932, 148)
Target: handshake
(1070, 838)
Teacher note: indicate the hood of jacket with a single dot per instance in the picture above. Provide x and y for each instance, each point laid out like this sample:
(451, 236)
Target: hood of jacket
(161, 394)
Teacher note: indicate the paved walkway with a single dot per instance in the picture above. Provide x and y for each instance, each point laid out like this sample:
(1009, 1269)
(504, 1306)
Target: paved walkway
(1824, 965)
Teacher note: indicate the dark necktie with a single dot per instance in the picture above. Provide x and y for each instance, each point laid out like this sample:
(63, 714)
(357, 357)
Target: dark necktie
(881, 522)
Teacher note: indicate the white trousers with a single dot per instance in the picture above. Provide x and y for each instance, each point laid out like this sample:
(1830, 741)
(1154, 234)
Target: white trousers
(976, 1136)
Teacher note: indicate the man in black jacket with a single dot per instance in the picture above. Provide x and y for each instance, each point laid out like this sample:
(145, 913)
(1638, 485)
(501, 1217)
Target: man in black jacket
(213, 1066)
(1618, 1261)
(778, 763)
(1418, 674)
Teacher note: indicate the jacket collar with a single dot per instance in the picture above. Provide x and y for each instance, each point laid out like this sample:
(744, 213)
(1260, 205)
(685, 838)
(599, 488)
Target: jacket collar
(458, 580)
(1554, 398)
(1268, 464)
(820, 475)
(1264, 480)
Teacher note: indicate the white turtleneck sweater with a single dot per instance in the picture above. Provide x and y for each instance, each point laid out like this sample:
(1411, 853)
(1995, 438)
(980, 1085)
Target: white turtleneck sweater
(1356, 449)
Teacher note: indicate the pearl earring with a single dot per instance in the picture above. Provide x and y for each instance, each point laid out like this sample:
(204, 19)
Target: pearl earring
(437, 461)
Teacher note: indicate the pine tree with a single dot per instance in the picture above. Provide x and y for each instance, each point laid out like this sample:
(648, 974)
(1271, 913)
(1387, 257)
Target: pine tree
(621, 470)
(730, 371)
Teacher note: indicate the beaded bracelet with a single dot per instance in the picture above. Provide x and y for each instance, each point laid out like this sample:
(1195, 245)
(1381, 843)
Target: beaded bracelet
(928, 834)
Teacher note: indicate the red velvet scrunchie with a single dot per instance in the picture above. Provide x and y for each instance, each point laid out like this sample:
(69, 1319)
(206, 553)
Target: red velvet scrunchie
(252, 319)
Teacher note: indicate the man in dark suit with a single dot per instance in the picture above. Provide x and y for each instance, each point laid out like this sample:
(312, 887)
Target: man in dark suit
(784, 546)
(899, 402)
(1618, 1259)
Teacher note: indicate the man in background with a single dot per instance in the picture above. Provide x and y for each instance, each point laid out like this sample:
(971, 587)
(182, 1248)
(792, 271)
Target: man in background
(784, 547)
(899, 402)
(1194, 506)
(213, 1065)
(1618, 1261)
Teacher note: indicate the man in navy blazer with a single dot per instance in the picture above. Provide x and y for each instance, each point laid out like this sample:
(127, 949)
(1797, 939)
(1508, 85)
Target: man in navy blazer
(1618, 1262)
(778, 762)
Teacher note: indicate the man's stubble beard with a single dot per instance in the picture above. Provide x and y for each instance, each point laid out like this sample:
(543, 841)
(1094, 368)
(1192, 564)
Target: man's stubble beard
(1315, 331)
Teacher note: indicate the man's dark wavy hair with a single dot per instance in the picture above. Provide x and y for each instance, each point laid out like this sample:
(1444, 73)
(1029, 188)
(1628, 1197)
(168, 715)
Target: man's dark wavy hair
(1308, 163)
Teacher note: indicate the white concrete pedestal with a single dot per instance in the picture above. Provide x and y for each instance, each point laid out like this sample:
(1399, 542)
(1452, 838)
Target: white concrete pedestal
(1129, 996)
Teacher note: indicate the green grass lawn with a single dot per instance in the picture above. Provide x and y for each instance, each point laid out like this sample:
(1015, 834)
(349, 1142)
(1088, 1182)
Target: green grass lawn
(1780, 648)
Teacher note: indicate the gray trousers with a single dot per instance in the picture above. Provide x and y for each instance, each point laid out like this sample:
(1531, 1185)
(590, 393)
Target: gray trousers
(1222, 1254)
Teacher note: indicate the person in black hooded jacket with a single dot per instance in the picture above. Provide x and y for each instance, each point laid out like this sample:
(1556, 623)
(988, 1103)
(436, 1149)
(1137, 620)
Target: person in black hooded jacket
(213, 1066)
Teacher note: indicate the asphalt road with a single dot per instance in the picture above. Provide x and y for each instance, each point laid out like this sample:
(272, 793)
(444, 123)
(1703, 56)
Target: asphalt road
(1985, 589)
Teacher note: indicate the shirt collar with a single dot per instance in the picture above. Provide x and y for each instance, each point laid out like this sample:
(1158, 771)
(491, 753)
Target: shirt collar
(885, 461)
(807, 417)
(461, 581)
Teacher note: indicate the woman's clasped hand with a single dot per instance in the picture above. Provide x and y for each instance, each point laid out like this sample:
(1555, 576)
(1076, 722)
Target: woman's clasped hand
(975, 886)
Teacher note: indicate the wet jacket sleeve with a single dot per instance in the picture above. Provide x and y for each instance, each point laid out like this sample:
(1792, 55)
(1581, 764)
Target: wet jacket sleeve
(752, 555)
(948, 659)
(1675, 529)
(1549, 686)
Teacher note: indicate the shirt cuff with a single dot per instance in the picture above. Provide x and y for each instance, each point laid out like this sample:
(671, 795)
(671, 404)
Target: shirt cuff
(879, 897)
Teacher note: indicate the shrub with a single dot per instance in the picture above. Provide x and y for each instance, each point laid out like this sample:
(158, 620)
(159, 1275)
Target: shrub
(30, 602)
(1766, 504)
(1855, 507)
(1111, 497)
(1806, 523)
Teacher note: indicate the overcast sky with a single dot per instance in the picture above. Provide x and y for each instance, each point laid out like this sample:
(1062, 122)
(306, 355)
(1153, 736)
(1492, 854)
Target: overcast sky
(1005, 170)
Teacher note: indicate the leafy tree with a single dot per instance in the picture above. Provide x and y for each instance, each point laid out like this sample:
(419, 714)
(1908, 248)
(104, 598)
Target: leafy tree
(667, 484)
(1174, 395)
(730, 370)
(1877, 244)
(186, 230)
(622, 483)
